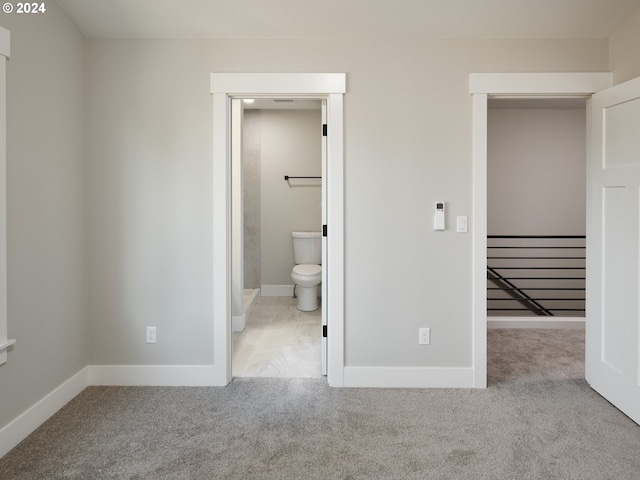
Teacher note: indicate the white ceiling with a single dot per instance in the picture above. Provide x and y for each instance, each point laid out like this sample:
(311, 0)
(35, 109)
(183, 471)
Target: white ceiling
(348, 19)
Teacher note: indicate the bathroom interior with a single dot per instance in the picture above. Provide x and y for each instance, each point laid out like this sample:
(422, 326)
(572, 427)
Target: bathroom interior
(277, 325)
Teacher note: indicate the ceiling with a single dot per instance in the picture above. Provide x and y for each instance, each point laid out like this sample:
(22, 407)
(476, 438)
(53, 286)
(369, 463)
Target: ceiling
(348, 19)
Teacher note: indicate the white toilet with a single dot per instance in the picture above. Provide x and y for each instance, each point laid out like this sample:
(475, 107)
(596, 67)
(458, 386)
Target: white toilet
(307, 274)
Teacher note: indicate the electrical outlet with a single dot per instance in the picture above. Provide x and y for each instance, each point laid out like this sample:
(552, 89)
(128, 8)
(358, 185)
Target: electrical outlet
(151, 334)
(425, 336)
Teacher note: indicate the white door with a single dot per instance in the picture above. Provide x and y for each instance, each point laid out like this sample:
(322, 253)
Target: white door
(613, 260)
(325, 263)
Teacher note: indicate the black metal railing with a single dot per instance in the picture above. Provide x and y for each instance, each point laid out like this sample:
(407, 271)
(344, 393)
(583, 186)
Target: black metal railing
(536, 275)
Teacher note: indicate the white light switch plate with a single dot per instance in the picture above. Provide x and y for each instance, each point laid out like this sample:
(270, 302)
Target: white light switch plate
(462, 223)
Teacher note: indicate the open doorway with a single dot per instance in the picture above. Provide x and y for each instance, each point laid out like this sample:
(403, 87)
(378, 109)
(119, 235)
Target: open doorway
(281, 192)
(536, 212)
(536, 227)
(522, 86)
(330, 87)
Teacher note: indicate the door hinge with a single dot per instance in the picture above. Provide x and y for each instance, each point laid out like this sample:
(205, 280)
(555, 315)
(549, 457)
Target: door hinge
(324, 331)
(324, 130)
(324, 230)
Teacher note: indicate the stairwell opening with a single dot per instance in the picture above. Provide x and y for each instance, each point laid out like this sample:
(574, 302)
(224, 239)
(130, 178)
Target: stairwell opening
(536, 210)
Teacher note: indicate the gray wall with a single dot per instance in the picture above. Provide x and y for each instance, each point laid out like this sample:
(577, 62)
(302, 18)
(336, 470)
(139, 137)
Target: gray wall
(536, 171)
(45, 208)
(407, 144)
(149, 222)
(623, 50)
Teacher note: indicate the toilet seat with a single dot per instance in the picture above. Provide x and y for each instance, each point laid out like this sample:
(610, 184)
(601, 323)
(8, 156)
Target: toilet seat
(307, 270)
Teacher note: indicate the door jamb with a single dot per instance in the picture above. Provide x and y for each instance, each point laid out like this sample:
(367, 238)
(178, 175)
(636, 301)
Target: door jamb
(481, 87)
(329, 86)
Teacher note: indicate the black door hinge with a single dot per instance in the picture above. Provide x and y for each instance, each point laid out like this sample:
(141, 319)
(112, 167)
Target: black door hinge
(324, 230)
(324, 331)
(324, 130)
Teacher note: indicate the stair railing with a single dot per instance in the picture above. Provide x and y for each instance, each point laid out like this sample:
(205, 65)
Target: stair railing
(536, 274)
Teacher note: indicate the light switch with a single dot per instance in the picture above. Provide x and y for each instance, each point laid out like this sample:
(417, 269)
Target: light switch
(462, 223)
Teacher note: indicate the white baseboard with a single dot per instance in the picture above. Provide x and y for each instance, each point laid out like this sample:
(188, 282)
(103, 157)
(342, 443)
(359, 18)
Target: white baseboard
(238, 322)
(408, 377)
(537, 322)
(276, 290)
(156, 375)
(21, 427)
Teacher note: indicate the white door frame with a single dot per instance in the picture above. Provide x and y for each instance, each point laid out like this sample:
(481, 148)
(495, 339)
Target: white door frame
(482, 86)
(5, 343)
(329, 86)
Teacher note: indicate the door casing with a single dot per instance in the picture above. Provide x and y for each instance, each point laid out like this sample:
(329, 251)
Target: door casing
(481, 87)
(323, 86)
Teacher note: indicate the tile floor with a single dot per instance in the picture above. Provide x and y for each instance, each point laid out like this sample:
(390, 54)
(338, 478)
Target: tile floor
(278, 341)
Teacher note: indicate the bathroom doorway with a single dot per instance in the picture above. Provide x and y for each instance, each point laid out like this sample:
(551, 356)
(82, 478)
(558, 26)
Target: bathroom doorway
(278, 187)
(330, 88)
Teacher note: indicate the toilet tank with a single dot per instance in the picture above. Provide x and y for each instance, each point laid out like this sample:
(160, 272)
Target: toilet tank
(307, 248)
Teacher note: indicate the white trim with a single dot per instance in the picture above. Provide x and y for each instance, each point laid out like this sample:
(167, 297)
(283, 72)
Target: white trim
(481, 85)
(155, 375)
(5, 42)
(276, 290)
(408, 377)
(4, 51)
(335, 240)
(238, 322)
(531, 84)
(329, 86)
(529, 322)
(278, 83)
(22, 426)
(479, 241)
(237, 210)
(221, 238)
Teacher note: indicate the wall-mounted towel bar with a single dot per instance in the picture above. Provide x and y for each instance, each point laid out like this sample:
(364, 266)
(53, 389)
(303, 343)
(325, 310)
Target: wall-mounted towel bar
(287, 177)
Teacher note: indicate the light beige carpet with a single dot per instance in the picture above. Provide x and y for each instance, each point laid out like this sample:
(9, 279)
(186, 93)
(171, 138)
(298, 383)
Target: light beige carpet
(537, 420)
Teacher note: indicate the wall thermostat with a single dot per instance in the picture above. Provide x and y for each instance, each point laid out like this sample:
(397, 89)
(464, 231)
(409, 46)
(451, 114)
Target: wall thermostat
(438, 217)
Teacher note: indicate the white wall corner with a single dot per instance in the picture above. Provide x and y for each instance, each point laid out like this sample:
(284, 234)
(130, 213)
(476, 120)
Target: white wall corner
(20, 428)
